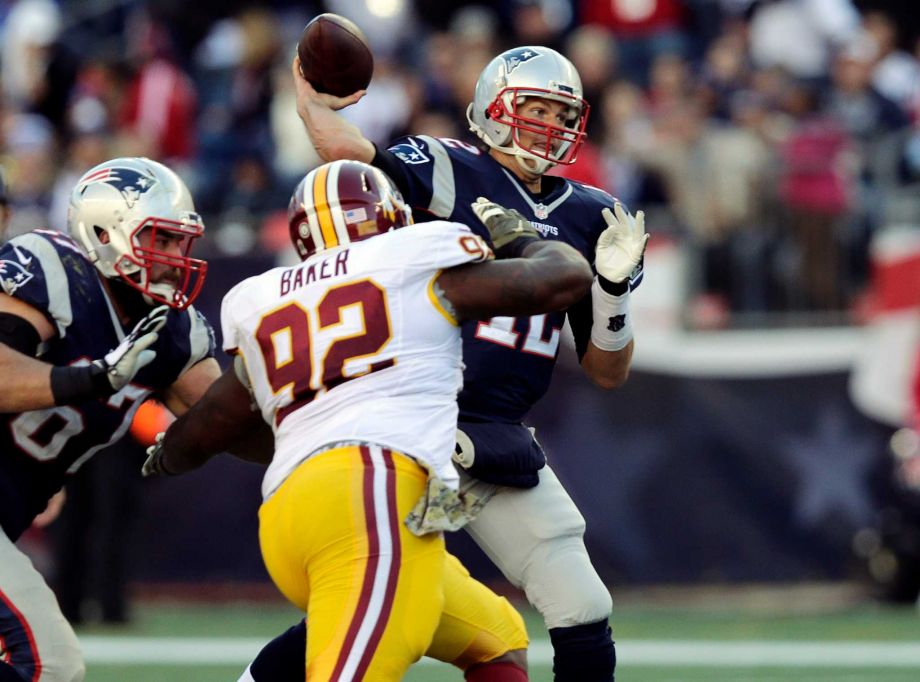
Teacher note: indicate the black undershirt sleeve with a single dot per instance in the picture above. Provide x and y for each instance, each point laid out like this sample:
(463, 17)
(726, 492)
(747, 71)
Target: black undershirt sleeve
(19, 334)
(581, 318)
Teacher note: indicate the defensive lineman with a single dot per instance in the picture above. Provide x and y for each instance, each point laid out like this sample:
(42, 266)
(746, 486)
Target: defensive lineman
(354, 358)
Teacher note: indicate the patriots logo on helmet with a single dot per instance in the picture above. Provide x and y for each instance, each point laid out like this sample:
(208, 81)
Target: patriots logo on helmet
(514, 58)
(130, 183)
(13, 276)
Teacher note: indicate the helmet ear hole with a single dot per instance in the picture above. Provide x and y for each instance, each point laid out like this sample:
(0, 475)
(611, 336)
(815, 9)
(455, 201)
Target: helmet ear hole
(101, 234)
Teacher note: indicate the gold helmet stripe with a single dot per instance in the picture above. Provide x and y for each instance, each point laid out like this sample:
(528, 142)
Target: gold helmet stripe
(316, 234)
(338, 216)
(321, 202)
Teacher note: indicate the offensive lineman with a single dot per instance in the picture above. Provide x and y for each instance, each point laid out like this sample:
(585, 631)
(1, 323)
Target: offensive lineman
(124, 280)
(529, 113)
(354, 359)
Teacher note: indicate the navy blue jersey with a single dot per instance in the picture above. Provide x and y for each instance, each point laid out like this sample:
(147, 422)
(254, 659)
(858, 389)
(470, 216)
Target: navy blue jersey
(38, 449)
(509, 361)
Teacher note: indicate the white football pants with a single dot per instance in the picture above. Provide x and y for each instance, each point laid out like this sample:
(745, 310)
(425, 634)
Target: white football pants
(536, 537)
(34, 634)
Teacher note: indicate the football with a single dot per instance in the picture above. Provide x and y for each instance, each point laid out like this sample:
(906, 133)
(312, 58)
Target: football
(334, 55)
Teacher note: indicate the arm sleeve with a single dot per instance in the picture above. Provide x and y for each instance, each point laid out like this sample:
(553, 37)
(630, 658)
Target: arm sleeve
(19, 334)
(581, 318)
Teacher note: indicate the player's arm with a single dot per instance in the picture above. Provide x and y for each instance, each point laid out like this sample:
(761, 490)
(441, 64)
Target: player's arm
(333, 137)
(534, 276)
(618, 260)
(26, 381)
(191, 386)
(214, 424)
(30, 384)
(234, 427)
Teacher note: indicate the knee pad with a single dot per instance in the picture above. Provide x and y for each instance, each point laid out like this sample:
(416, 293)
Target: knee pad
(563, 586)
(583, 653)
(283, 658)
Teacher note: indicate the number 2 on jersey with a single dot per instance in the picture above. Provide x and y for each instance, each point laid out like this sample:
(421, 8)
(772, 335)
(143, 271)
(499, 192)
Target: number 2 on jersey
(294, 369)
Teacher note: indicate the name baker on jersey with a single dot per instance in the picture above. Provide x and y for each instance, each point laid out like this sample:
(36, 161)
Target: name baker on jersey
(332, 266)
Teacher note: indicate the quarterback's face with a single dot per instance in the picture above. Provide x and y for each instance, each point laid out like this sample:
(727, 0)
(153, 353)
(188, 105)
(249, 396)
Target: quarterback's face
(545, 112)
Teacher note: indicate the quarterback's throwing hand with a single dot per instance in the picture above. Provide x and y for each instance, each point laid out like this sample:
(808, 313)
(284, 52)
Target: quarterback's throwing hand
(125, 360)
(621, 246)
(509, 231)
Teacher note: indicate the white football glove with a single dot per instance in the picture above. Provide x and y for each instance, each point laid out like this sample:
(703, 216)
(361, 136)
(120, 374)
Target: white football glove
(153, 465)
(621, 246)
(128, 357)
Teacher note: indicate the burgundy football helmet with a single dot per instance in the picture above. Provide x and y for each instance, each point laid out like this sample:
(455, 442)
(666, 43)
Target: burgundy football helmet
(343, 202)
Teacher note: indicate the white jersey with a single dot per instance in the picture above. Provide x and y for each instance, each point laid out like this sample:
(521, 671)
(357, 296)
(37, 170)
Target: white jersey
(353, 345)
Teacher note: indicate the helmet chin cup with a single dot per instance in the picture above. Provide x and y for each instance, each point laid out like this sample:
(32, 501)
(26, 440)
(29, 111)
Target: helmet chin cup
(531, 163)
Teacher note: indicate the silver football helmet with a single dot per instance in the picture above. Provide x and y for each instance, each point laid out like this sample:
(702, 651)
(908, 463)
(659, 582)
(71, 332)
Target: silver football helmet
(131, 214)
(505, 83)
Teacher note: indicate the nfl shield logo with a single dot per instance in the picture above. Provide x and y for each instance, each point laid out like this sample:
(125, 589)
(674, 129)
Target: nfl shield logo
(540, 211)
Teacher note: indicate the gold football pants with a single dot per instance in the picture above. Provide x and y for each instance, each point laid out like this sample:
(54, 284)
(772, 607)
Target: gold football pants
(376, 596)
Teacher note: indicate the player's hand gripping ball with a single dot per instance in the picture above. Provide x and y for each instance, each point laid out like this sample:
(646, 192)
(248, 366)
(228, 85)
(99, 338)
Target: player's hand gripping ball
(334, 56)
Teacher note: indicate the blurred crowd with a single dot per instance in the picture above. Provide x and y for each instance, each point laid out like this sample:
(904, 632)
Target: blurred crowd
(770, 140)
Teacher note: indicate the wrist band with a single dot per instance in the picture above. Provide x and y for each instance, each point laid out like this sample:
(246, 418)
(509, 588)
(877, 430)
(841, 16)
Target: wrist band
(614, 288)
(612, 329)
(76, 384)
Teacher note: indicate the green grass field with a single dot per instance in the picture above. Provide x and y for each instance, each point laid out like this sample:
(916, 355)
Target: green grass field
(785, 641)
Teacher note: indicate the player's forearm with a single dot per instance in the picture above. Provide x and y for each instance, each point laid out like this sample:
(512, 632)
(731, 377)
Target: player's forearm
(219, 422)
(558, 274)
(26, 382)
(194, 438)
(257, 446)
(550, 276)
(333, 137)
(607, 369)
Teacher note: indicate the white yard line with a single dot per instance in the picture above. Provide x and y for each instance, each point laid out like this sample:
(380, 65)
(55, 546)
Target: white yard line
(703, 653)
